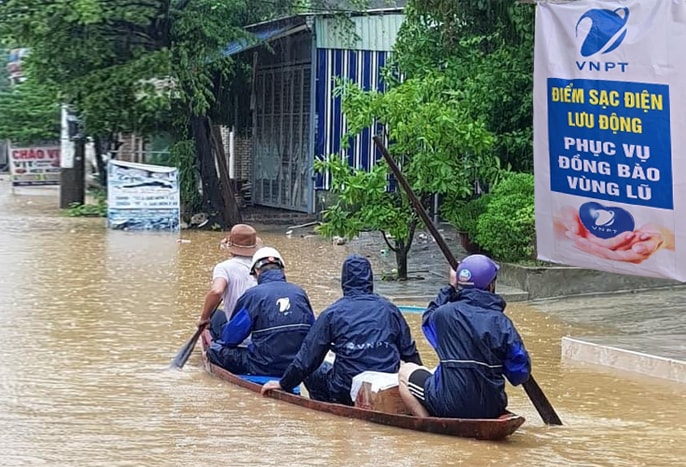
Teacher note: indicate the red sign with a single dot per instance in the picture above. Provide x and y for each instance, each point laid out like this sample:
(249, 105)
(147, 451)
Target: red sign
(36, 153)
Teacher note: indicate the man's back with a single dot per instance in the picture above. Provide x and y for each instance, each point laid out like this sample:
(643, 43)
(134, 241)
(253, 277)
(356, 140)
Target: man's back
(368, 333)
(279, 316)
(364, 330)
(476, 345)
(236, 272)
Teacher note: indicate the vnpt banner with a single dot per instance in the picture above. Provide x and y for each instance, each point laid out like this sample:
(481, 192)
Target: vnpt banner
(142, 197)
(610, 135)
(35, 165)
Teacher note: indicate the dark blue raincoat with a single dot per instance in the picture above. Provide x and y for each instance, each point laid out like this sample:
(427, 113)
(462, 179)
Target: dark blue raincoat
(278, 315)
(477, 345)
(363, 329)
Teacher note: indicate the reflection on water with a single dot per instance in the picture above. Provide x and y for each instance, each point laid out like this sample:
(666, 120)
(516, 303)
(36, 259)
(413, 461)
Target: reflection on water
(89, 320)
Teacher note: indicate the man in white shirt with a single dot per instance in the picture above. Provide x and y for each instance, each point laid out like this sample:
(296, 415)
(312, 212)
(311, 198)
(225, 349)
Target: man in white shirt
(232, 277)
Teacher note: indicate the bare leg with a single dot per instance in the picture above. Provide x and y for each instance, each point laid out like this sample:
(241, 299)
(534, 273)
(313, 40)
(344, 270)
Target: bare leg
(410, 401)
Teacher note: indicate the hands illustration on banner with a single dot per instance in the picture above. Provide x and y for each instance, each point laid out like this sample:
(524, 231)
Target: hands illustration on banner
(631, 247)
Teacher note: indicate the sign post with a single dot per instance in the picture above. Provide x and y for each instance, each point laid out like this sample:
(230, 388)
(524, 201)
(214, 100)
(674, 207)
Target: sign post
(73, 179)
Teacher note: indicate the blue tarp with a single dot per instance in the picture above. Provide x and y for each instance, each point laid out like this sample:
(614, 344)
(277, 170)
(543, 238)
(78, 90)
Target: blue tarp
(263, 379)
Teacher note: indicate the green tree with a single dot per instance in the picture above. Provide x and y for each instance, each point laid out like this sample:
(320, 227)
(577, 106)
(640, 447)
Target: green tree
(135, 67)
(29, 113)
(143, 66)
(4, 75)
(485, 49)
(507, 228)
(461, 111)
(440, 147)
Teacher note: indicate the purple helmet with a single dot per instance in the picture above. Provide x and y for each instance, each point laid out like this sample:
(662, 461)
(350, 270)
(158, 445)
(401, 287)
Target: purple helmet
(476, 271)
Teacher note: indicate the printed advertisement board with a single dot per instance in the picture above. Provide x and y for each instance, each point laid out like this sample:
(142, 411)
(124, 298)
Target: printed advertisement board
(608, 143)
(142, 197)
(34, 165)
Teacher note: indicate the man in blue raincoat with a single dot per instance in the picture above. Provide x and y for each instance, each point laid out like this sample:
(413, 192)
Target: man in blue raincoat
(276, 313)
(477, 346)
(364, 330)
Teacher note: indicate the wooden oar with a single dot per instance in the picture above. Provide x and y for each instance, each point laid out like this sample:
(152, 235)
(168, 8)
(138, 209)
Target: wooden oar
(533, 390)
(186, 351)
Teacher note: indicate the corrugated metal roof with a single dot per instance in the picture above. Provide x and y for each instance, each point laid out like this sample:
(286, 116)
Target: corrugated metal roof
(267, 33)
(258, 38)
(374, 32)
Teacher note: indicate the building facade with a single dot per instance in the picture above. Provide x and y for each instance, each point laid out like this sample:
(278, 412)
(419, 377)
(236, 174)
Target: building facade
(292, 114)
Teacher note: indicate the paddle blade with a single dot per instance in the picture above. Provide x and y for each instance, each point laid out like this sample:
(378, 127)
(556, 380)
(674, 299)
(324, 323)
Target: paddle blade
(185, 352)
(541, 403)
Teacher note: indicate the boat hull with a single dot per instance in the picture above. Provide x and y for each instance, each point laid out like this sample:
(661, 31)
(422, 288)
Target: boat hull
(485, 429)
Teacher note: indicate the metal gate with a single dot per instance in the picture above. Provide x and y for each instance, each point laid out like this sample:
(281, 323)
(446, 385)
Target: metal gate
(281, 150)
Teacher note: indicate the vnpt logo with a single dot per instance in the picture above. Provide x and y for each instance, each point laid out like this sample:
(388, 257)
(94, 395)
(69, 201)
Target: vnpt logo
(605, 222)
(601, 31)
(608, 30)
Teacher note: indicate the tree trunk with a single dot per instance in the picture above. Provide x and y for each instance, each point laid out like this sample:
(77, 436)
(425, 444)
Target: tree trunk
(232, 214)
(212, 202)
(401, 260)
(99, 162)
(401, 248)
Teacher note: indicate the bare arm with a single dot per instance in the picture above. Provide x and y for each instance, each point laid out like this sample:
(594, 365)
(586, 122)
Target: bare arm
(212, 300)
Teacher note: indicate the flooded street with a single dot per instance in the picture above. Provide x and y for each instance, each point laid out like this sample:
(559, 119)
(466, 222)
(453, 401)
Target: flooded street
(90, 319)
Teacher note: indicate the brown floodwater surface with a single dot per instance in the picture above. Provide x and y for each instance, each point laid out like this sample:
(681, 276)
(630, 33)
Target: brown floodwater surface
(90, 319)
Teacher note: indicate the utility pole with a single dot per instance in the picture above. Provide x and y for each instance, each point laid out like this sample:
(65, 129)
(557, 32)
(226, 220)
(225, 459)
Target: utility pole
(72, 180)
(72, 161)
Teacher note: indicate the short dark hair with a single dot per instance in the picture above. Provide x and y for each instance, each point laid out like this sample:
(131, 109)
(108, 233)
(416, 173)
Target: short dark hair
(270, 266)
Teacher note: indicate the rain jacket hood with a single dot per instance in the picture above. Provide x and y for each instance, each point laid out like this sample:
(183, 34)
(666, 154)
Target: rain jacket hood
(357, 277)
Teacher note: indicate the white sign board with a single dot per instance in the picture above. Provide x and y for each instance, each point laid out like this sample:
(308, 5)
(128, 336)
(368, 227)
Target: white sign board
(608, 148)
(34, 165)
(142, 196)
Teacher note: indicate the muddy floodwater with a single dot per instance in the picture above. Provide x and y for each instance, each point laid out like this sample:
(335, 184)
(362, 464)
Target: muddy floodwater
(90, 318)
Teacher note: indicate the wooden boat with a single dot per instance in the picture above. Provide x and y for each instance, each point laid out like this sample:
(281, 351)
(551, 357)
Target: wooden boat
(485, 429)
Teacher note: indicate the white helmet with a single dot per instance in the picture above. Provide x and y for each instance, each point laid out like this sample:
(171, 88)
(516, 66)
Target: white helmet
(266, 255)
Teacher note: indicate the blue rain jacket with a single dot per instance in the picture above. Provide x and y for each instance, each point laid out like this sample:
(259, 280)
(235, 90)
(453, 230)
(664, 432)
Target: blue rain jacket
(477, 345)
(278, 314)
(365, 331)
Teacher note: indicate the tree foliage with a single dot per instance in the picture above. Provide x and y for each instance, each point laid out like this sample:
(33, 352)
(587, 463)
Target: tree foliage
(507, 229)
(4, 74)
(135, 66)
(362, 202)
(441, 148)
(125, 65)
(458, 114)
(140, 66)
(29, 113)
(121, 64)
(354, 188)
(484, 48)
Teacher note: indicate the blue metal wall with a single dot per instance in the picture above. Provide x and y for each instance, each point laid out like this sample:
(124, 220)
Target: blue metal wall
(364, 68)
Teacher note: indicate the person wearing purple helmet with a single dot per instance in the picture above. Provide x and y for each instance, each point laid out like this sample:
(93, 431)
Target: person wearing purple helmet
(477, 347)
